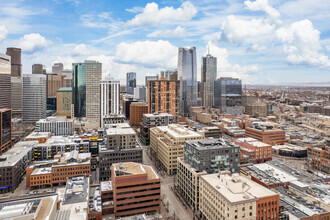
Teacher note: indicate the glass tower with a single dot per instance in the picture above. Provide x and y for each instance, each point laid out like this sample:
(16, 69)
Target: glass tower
(130, 82)
(187, 74)
(86, 89)
(208, 76)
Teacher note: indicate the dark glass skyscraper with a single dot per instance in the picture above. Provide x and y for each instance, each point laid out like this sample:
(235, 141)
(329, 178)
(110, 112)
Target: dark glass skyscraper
(228, 95)
(187, 74)
(5, 81)
(86, 89)
(208, 76)
(130, 82)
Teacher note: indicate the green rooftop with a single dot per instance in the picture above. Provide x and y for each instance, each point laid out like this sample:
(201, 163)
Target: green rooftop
(65, 89)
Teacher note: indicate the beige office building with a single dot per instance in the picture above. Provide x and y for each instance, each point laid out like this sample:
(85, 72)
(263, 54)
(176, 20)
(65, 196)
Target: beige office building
(188, 182)
(54, 82)
(166, 144)
(232, 196)
(257, 109)
(64, 101)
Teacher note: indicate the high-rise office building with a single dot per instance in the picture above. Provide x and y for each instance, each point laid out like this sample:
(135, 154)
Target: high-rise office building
(54, 83)
(110, 96)
(130, 82)
(5, 81)
(57, 68)
(86, 89)
(16, 96)
(64, 101)
(5, 131)
(187, 74)
(163, 97)
(208, 76)
(140, 93)
(228, 95)
(16, 62)
(37, 69)
(34, 97)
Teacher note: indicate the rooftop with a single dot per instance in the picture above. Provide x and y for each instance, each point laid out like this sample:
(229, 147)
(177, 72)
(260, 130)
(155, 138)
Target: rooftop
(275, 172)
(158, 115)
(178, 131)
(106, 186)
(36, 135)
(237, 188)
(130, 168)
(13, 155)
(211, 143)
(120, 128)
(55, 119)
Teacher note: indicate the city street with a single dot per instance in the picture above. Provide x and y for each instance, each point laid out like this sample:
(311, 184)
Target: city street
(167, 194)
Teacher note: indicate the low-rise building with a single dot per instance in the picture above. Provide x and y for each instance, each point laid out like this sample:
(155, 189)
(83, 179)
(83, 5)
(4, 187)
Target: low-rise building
(318, 158)
(136, 189)
(290, 150)
(233, 196)
(166, 144)
(267, 134)
(55, 125)
(107, 197)
(153, 120)
(13, 164)
(36, 207)
(55, 172)
(55, 144)
(261, 151)
(203, 117)
(41, 137)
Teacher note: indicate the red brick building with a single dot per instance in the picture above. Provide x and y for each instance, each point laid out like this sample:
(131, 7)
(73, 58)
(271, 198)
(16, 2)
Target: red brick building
(137, 109)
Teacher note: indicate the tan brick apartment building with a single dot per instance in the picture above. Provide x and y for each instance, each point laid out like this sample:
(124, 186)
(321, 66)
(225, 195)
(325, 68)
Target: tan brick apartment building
(232, 196)
(56, 172)
(163, 96)
(136, 189)
(261, 152)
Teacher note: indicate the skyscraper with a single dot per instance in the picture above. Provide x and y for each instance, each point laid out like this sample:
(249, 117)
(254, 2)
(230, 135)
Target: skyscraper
(166, 74)
(34, 97)
(228, 95)
(110, 94)
(187, 74)
(54, 83)
(17, 96)
(5, 131)
(57, 68)
(130, 82)
(208, 76)
(86, 89)
(5, 81)
(140, 93)
(148, 78)
(16, 62)
(37, 69)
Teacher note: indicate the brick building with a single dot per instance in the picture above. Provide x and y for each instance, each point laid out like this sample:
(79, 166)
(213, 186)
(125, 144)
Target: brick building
(56, 172)
(136, 189)
(266, 134)
(163, 96)
(318, 158)
(137, 109)
(261, 151)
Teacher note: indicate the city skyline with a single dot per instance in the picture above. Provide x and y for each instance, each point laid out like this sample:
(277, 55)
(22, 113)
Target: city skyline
(261, 42)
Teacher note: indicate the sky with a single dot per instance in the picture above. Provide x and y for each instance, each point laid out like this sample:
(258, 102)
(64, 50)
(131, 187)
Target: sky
(259, 41)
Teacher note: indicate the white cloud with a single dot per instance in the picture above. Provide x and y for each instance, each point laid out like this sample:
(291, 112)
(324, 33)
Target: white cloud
(302, 44)
(179, 31)
(135, 9)
(66, 60)
(79, 50)
(3, 32)
(152, 15)
(33, 42)
(256, 48)
(238, 31)
(149, 53)
(225, 68)
(262, 5)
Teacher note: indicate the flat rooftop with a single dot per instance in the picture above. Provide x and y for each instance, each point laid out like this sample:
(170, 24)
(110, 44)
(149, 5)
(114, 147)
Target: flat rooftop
(17, 152)
(178, 131)
(55, 119)
(275, 172)
(106, 186)
(157, 115)
(131, 168)
(120, 128)
(35, 135)
(211, 143)
(237, 188)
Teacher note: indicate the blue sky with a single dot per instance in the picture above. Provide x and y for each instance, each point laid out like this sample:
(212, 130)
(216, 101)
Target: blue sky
(260, 41)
